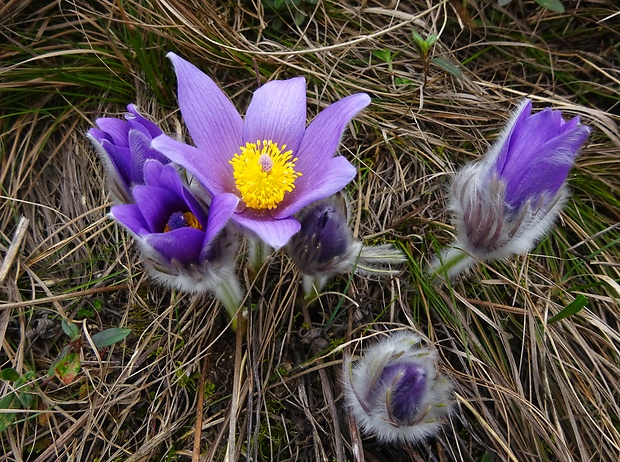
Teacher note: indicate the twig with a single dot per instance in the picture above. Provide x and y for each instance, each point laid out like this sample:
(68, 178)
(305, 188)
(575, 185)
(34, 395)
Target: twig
(199, 412)
(11, 253)
(328, 394)
(231, 455)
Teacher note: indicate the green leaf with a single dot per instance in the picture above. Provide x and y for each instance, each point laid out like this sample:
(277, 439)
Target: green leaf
(383, 55)
(6, 418)
(299, 17)
(110, 336)
(85, 313)
(9, 374)
(553, 5)
(72, 331)
(503, 2)
(61, 355)
(430, 40)
(401, 81)
(98, 304)
(68, 368)
(449, 66)
(573, 307)
(417, 38)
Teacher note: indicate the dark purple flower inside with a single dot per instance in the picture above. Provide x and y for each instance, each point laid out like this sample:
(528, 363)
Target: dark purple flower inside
(182, 220)
(323, 238)
(325, 226)
(407, 384)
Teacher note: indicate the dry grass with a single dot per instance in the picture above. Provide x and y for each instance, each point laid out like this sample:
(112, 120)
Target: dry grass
(526, 389)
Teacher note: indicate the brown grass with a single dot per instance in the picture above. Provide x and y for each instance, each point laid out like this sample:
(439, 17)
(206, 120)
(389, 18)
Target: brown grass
(525, 389)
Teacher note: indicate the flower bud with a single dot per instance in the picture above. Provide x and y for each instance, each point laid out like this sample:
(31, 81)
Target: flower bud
(506, 202)
(124, 146)
(325, 246)
(395, 391)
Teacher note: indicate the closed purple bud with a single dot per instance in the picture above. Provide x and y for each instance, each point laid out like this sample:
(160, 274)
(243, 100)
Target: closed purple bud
(124, 146)
(395, 391)
(324, 246)
(506, 202)
(323, 243)
(407, 383)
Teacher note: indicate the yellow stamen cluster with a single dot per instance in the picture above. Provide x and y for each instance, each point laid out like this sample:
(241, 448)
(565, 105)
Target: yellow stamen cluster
(264, 173)
(182, 220)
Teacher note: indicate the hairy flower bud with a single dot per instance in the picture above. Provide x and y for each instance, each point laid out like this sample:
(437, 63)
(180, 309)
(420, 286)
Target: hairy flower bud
(395, 391)
(325, 246)
(506, 202)
(124, 146)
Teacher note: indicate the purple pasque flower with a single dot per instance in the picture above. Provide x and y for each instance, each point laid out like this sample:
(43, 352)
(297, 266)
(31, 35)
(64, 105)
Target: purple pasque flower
(124, 146)
(506, 202)
(183, 245)
(325, 246)
(395, 391)
(269, 161)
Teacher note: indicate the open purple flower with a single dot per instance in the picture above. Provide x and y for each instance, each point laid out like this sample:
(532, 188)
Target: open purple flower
(124, 146)
(269, 162)
(395, 391)
(182, 244)
(506, 202)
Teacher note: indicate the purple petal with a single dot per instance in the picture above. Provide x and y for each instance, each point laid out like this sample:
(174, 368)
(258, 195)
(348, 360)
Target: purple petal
(212, 120)
(324, 237)
(277, 113)
(547, 173)
(522, 145)
(275, 233)
(335, 175)
(221, 209)
(182, 245)
(114, 151)
(134, 118)
(99, 135)
(407, 382)
(117, 129)
(129, 215)
(323, 135)
(140, 148)
(215, 176)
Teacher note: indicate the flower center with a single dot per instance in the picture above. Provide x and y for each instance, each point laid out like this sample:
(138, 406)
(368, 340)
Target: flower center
(182, 220)
(263, 173)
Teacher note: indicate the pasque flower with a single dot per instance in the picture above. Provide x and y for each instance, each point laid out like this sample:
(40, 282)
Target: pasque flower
(183, 245)
(270, 163)
(506, 202)
(395, 391)
(325, 246)
(124, 146)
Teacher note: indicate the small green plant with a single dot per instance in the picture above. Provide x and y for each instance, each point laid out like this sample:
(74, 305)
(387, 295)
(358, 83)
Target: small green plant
(553, 5)
(22, 396)
(425, 47)
(67, 365)
(298, 9)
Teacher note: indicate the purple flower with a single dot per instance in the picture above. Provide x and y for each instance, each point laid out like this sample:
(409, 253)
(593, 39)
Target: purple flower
(269, 162)
(507, 201)
(182, 244)
(325, 246)
(124, 146)
(395, 391)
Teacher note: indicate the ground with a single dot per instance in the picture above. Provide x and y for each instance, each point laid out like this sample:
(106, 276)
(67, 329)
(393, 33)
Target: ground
(183, 385)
